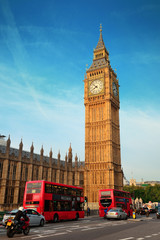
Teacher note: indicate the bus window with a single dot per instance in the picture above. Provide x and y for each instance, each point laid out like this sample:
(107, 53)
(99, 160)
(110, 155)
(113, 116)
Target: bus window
(121, 205)
(46, 205)
(65, 191)
(79, 206)
(67, 206)
(73, 192)
(33, 187)
(68, 191)
(79, 193)
(106, 202)
(48, 188)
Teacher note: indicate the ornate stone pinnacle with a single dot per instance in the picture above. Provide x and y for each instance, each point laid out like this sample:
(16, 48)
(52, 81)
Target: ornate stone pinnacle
(100, 27)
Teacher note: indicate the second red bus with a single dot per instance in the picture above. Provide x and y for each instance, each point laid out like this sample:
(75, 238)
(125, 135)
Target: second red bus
(109, 198)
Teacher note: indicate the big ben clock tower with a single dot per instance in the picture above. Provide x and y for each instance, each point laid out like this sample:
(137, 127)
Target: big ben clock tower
(102, 130)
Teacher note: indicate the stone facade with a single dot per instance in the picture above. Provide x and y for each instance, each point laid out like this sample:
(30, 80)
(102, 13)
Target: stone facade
(18, 166)
(102, 128)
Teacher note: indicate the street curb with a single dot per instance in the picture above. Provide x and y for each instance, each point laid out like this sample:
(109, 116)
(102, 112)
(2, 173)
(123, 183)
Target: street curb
(140, 219)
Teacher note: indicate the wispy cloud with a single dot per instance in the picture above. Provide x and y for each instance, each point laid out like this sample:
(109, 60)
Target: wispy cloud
(15, 45)
(140, 131)
(145, 58)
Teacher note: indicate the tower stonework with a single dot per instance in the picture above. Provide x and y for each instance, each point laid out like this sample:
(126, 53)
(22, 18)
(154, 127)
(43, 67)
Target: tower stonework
(102, 130)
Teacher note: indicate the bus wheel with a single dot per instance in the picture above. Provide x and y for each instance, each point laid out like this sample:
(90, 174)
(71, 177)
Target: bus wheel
(77, 216)
(55, 219)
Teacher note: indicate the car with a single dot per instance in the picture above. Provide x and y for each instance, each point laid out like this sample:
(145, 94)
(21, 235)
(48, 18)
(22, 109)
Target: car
(116, 213)
(152, 210)
(144, 210)
(36, 219)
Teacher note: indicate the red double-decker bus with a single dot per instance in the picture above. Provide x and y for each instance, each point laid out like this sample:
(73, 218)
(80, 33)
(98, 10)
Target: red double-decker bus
(109, 198)
(54, 200)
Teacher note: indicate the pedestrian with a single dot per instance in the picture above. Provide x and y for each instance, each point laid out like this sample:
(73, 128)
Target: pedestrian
(88, 211)
(105, 212)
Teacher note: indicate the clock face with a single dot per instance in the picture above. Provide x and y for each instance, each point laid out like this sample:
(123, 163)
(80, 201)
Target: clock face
(114, 87)
(96, 86)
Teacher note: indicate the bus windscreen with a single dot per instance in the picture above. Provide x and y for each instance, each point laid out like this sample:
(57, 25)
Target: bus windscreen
(34, 187)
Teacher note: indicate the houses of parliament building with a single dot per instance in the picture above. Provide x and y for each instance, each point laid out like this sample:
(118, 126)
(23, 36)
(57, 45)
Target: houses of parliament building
(102, 166)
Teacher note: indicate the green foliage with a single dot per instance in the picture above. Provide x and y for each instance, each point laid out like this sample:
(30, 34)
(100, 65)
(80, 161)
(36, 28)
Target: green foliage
(147, 193)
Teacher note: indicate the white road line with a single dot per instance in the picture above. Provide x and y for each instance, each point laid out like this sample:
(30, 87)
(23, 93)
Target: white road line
(49, 231)
(28, 236)
(127, 238)
(140, 238)
(58, 234)
(154, 234)
(49, 235)
(92, 228)
(148, 236)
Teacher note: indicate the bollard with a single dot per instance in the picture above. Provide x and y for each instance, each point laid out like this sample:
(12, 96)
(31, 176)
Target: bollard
(134, 215)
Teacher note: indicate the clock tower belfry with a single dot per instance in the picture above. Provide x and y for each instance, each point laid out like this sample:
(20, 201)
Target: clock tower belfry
(102, 130)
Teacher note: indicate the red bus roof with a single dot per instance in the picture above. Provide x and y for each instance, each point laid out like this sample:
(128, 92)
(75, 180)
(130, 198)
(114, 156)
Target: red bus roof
(58, 184)
(111, 189)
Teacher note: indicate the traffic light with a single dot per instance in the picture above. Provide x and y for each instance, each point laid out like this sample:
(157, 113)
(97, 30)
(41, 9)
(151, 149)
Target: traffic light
(85, 199)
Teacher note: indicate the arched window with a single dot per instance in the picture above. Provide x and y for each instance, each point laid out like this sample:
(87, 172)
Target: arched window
(1, 169)
(14, 171)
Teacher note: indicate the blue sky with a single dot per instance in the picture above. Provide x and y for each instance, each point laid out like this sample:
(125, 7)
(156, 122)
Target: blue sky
(44, 49)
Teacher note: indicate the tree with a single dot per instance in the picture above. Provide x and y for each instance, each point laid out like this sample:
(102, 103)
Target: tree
(147, 193)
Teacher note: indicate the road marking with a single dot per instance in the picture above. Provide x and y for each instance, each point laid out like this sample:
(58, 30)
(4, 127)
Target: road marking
(86, 220)
(26, 236)
(49, 231)
(148, 236)
(140, 238)
(154, 234)
(126, 238)
(49, 235)
(91, 228)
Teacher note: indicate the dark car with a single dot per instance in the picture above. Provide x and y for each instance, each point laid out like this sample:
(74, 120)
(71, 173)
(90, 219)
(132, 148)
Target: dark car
(152, 210)
(144, 210)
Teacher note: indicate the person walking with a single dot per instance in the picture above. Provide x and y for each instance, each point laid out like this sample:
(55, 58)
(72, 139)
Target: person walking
(105, 212)
(88, 211)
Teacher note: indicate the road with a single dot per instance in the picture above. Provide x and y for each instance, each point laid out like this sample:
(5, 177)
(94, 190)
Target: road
(94, 228)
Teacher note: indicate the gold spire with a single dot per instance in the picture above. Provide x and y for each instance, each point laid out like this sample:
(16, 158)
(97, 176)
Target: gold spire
(100, 44)
(100, 27)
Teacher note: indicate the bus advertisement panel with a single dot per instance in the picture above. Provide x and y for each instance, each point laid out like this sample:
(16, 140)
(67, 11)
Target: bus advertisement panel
(109, 198)
(54, 200)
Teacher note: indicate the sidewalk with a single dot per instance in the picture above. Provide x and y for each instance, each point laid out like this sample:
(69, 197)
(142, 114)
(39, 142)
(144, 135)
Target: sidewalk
(140, 218)
(137, 219)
